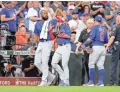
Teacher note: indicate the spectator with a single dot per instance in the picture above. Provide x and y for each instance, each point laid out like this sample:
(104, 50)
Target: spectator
(83, 37)
(25, 11)
(33, 15)
(22, 37)
(76, 25)
(8, 16)
(97, 8)
(56, 5)
(86, 9)
(84, 17)
(22, 40)
(73, 37)
(16, 8)
(73, 45)
(69, 12)
(29, 68)
(110, 13)
(46, 6)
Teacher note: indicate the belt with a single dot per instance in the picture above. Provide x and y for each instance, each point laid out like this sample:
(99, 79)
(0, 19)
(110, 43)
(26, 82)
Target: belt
(63, 44)
(43, 40)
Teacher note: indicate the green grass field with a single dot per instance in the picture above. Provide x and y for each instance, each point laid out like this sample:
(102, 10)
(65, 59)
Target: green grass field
(58, 89)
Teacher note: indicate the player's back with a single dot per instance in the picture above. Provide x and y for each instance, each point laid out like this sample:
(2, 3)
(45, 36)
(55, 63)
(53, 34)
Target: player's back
(99, 34)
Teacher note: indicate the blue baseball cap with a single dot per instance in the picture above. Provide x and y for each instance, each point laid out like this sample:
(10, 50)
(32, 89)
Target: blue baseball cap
(6, 2)
(98, 19)
(75, 11)
(84, 14)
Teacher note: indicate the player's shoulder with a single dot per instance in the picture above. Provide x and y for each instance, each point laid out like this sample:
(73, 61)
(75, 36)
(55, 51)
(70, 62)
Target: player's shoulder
(95, 27)
(39, 23)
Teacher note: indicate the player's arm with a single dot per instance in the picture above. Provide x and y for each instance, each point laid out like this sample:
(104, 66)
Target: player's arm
(63, 35)
(35, 38)
(66, 34)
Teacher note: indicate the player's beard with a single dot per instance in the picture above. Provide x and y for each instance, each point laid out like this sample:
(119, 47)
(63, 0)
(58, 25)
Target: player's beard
(45, 18)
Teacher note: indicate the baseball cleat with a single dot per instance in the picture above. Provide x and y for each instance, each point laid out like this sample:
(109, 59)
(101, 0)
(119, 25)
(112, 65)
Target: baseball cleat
(99, 84)
(89, 84)
(43, 83)
(66, 84)
(61, 83)
(51, 80)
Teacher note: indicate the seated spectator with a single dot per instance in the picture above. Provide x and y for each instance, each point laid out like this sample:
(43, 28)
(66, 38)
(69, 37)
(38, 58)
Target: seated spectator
(76, 25)
(22, 37)
(29, 68)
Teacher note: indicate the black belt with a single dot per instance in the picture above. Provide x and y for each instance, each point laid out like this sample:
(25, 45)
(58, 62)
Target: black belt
(43, 40)
(63, 44)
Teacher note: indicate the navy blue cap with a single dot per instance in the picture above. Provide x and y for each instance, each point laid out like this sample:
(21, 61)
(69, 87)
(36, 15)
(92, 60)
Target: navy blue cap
(98, 19)
(5, 2)
(84, 14)
(75, 11)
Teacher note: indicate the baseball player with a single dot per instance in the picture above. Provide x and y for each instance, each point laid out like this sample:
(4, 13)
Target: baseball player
(42, 35)
(98, 37)
(62, 52)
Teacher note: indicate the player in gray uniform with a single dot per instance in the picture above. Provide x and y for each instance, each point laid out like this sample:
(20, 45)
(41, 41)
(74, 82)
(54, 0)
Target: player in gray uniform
(98, 37)
(62, 52)
(42, 54)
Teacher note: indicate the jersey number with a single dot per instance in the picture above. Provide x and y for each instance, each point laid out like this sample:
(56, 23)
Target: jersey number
(102, 36)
